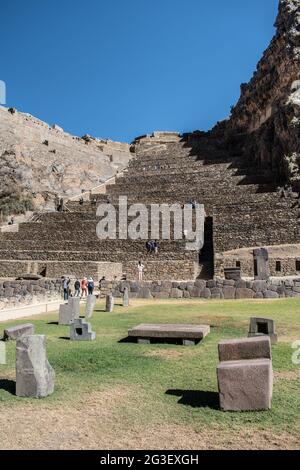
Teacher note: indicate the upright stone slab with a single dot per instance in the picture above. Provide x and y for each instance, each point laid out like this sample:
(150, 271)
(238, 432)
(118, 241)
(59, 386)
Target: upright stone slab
(110, 303)
(261, 264)
(74, 303)
(245, 374)
(263, 327)
(70, 311)
(90, 305)
(126, 297)
(34, 375)
(245, 385)
(15, 332)
(80, 330)
(2, 353)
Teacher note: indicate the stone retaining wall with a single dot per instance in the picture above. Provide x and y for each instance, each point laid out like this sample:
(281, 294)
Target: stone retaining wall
(20, 293)
(215, 289)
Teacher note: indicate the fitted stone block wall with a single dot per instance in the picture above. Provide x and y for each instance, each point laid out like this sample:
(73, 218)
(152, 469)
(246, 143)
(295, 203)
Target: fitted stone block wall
(80, 269)
(214, 289)
(155, 269)
(12, 268)
(23, 292)
(163, 270)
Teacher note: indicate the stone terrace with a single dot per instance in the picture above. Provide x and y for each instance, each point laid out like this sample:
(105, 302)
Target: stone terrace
(242, 206)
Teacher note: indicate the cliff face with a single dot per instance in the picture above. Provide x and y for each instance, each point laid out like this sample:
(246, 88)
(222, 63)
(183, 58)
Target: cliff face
(268, 111)
(38, 162)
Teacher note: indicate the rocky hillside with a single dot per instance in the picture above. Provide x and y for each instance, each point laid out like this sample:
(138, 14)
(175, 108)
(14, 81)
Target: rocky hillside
(38, 161)
(267, 116)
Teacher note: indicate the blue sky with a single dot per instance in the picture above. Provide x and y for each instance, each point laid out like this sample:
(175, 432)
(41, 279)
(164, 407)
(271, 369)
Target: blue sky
(121, 68)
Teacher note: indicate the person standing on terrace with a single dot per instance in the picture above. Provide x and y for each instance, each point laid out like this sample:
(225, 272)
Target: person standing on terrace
(141, 268)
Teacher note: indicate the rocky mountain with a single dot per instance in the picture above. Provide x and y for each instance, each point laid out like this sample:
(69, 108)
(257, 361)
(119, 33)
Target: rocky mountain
(38, 162)
(266, 119)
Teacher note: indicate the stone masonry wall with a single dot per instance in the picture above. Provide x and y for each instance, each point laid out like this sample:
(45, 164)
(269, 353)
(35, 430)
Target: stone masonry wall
(21, 293)
(214, 289)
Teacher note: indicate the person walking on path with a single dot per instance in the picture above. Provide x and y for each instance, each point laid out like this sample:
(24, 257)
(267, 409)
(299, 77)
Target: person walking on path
(84, 287)
(66, 283)
(90, 286)
(141, 268)
(77, 288)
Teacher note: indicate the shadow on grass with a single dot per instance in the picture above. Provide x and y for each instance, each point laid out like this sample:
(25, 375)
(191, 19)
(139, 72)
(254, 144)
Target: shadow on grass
(170, 341)
(103, 310)
(128, 339)
(53, 323)
(196, 398)
(66, 338)
(8, 385)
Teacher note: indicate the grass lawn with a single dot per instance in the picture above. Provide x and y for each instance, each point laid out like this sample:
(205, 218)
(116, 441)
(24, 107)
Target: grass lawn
(118, 395)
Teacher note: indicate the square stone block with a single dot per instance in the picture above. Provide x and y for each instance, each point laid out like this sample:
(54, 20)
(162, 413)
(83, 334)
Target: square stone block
(245, 348)
(80, 330)
(245, 385)
(262, 327)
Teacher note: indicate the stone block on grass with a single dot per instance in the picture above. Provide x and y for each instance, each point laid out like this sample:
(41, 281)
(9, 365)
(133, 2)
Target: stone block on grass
(245, 385)
(90, 305)
(245, 348)
(109, 303)
(34, 375)
(81, 330)
(15, 332)
(260, 327)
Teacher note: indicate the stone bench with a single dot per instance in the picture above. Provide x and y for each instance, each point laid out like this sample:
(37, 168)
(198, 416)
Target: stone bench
(188, 334)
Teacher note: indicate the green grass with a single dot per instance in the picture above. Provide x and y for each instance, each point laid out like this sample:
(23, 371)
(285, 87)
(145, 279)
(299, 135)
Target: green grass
(169, 384)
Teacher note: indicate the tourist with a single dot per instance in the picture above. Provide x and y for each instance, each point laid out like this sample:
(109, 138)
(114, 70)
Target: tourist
(77, 288)
(81, 201)
(156, 247)
(148, 247)
(90, 286)
(141, 268)
(66, 282)
(84, 287)
(102, 283)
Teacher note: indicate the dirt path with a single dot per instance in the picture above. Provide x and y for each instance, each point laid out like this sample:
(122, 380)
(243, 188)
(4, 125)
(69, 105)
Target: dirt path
(94, 423)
